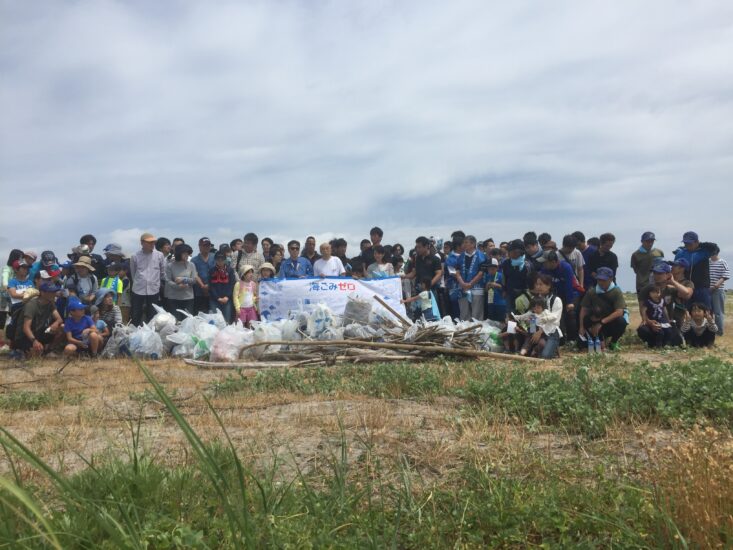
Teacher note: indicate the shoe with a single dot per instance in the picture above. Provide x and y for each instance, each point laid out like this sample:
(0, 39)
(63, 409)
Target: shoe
(615, 347)
(17, 355)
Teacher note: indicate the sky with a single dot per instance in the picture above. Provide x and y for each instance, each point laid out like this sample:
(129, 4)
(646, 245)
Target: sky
(291, 118)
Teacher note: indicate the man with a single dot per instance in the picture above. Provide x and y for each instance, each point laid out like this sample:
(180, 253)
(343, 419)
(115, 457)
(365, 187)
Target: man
(113, 254)
(328, 265)
(338, 250)
(295, 267)
(249, 256)
(602, 310)
(643, 259)
(569, 253)
(515, 271)
(564, 286)
(673, 292)
(309, 250)
(587, 251)
(603, 257)
(532, 249)
(470, 273)
(204, 263)
(375, 236)
(449, 293)
(39, 322)
(697, 255)
(147, 267)
(719, 273)
(427, 265)
(97, 260)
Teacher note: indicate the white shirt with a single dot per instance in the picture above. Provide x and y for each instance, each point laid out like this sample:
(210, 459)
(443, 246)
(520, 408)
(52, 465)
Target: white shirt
(331, 268)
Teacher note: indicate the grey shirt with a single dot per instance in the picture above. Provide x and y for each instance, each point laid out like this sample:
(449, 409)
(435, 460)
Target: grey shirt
(173, 290)
(146, 271)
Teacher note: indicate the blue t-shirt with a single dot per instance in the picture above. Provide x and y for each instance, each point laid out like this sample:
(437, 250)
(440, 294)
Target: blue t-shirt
(76, 328)
(18, 286)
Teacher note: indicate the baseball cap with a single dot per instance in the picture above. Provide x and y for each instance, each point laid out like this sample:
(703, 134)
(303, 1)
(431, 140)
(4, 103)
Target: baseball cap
(74, 304)
(114, 266)
(690, 237)
(50, 272)
(682, 262)
(31, 254)
(661, 267)
(648, 236)
(604, 274)
(48, 258)
(17, 264)
(148, 237)
(49, 287)
(516, 244)
(493, 262)
(548, 256)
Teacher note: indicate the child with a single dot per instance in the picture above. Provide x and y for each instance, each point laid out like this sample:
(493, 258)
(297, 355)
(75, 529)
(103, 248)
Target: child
(221, 286)
(656, 310)
(81, 333)
(267, 271)
(496, 304)
(124, 300)
(82, 283)
(108, 311)
(19, 284)
(245, 297)
(699, 328)
(99, 323)
(113, 280)
(534, 317)
(425, 300)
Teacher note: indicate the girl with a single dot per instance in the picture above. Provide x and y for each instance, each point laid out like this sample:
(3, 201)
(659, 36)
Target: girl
(18, 284)
(425, 300)
(109, 312)
(245, 297)
(699, 328)
(380, 268)
(7, 274)
(533, 347)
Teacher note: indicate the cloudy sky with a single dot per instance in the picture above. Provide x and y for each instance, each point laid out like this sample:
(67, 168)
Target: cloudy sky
(289, 118)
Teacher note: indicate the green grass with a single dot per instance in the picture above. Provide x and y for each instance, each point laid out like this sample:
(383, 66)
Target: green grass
(34, 400)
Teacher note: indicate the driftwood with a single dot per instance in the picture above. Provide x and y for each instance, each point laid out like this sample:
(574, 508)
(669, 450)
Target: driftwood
(385, 305)
(315, 361)
(424, 349)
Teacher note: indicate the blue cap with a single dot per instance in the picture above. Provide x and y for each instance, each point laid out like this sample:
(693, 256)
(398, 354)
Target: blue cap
(49, 287)
(74, 304)
(661, 267)
(690, 237)
(648, 236)
(682, 263)
(604, 274)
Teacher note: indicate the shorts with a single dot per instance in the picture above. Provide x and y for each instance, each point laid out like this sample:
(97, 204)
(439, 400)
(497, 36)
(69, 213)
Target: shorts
(247, 314)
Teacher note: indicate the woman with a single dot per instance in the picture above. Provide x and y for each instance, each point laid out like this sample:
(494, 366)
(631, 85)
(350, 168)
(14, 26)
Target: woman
(180, 276)
(276, 256)
(7, 274)
(380, 268)
(548, 322)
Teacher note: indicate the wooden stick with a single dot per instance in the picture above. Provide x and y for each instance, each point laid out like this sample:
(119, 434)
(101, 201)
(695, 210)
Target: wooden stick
(385, 305)
(432, 349)
(308, 363)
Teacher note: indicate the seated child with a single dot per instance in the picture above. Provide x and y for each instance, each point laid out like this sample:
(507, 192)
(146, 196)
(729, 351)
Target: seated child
(81, 332)
(656, 310)
(699, 328)
(424, 300)
(533, 317)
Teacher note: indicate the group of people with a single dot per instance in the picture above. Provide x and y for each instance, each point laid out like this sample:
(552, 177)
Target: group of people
(542, 294)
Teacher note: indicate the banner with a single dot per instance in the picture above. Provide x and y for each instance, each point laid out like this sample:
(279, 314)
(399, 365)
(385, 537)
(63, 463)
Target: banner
(279, 297)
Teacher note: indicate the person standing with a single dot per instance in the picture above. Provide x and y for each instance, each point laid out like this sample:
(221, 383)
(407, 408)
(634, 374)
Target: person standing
(204, 263)
(719, 273)
(697, 255)
(642, 261)
(469, 274)
(295, 267)
(147, 268)
(603, 257)
(249, 256)
(309, 250)
(181, 278)
(327, 265)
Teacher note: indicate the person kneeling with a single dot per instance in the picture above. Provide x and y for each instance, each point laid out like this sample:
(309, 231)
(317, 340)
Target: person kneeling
(699, 328)
(81, 332)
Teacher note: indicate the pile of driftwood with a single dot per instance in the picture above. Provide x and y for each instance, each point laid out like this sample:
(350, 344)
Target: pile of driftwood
(403, 341)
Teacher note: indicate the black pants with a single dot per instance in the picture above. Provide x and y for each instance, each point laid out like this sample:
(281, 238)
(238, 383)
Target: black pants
(665, 337)
(142, 308)
(613, 330)
(172, 307)
(706, 339)
(200, 304)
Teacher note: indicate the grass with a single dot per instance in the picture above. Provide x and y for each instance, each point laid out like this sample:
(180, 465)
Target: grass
(34, 400)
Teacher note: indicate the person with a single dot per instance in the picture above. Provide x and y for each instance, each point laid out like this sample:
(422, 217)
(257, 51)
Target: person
(204, 263)
(276, 256)
(568, 252)
(48, 259)
(495, 302)
(425, 300)
(586, 250)
(81, 331)
(380, 268)
(181, 278)
(266, 244)
(113, 280)
(470, 272)
(338, 250)
(699, 328)
(327, 265)
(565, 286)
(656, 312)
(83, 283)
(90, 241)
(532, 249)
(109, 312)
(245, 296)
(375, 239)
(5, 276)
(427, 265)
(295, 267)
(249, 255)
(452, 292)
(163, 245)
(38, 323)
(603, 257)
(602, 312)
(643, 259)
(697, 255)
(719, 273)
(548, 323)
(309, 250)
(147, 268)
(515, 271)
(267, 271)
(19, 284)
(221, 286)
(533, 347)
(650, 331)
(398, 250)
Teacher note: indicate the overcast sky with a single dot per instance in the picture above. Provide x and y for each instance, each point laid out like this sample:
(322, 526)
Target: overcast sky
(293, 118)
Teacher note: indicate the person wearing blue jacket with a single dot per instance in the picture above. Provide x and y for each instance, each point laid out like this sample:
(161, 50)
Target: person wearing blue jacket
(470, 271)
(697, 255)
(564, 286)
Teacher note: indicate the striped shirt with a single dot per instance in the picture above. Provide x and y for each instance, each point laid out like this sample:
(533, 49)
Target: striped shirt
(719, 270)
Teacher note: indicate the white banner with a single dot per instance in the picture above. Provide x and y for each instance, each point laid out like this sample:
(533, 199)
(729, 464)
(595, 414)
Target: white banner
(279, 297)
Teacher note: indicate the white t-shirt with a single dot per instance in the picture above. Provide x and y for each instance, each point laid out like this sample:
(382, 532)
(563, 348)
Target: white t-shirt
(331, 268)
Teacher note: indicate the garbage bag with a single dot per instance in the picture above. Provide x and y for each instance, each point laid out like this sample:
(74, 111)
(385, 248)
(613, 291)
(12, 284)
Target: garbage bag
(266, 332)
(357, 310)
(118, 342)
(203, 338)
(332, 333)
(319, 320)
(228, 343)
(146, 343)
(162, 319)
(216, 319)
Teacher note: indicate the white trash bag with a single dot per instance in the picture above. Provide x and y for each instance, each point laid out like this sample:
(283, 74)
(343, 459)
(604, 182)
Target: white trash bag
(266, 332)
(228, 343)
(146, 343)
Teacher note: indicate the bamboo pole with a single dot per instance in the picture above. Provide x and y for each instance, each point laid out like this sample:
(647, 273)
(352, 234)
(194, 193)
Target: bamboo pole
(385, 305)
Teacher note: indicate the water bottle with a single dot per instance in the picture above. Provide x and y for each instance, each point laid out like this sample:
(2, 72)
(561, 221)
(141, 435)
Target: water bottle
(532, 325)
(591, 344)
(597, 345)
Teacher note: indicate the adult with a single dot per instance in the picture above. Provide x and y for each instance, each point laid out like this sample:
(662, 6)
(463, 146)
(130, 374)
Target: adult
(569, 252)
(5, 276)
(452, 293)
(276, 256)
(602, 310)
(147, 268)
(697, 255)
(515, 271)
(181, 278)
(470, 274)
(586, 250)
(113, 254)
(603, 257)
(564, 286)
(719, 273)
(328, 265)
(650, 330)
(266, 245)
(309, 250)
(221, 287)
(204, 263)
(40, 323)
(295, 267)
(427, 265)
(549, 322)
(97, 261)
(163, 245)
(643, 259)
(338, 250)
(83, 282)
(375, 238)
(380, 267)
(532, 249)
(249, 256)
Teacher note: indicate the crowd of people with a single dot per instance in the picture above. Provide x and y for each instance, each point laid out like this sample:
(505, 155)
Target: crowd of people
(542, 294)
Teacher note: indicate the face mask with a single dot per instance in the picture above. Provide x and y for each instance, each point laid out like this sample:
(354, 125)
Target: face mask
(643, 250)
(519, 262)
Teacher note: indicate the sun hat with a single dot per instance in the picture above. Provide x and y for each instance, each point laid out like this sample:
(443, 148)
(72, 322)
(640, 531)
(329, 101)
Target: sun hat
(101, 293)
(113, 249)
(31, 254)
(246, 268)
(85, 261)
(267, 265)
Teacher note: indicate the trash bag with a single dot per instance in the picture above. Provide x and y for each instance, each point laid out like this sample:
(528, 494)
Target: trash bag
(332, 333)
(146, 343)
(489, 338)
(357, 310)
(228, 343)
(203, 338)
(266, 332)
(166, 331)
(319, 320)
(162, 319)
(118, 342)
(216, 319)
(362, 332)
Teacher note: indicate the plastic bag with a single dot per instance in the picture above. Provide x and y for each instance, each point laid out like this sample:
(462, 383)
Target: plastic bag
(146, 343)
(118, 342)
(321, 319)
(362, 332)
(203, 338)
(216, 319)
(166, 331)
(228, 343)
(332, 333)
(357, 310)
(162, 319)
(266, 332)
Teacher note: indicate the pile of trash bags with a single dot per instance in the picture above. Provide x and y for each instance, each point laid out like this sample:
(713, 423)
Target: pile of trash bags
(207, 336)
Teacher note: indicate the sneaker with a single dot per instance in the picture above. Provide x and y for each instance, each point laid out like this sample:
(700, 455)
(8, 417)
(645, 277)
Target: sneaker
(17, 355)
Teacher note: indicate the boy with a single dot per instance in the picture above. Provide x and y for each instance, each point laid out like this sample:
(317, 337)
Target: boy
(81, 332)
